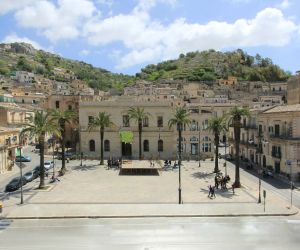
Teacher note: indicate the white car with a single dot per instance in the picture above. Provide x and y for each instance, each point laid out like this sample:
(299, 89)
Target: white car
(48, 165)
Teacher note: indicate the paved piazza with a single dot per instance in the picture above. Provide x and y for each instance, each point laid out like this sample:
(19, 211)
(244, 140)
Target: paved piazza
(92, 183)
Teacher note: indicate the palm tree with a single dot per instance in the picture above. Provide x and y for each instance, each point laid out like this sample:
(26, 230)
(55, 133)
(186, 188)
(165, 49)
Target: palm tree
(217, 125)
(39, 126)
(102, 121)
(180, 118)
(139, 115)
(235, 116)
(63, 118)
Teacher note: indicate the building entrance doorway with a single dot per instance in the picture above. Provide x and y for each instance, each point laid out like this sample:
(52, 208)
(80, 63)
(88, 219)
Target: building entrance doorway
(126, 150)
(277, 167)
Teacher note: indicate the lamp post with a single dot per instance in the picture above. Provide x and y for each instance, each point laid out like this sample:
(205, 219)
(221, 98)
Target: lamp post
(225, 163)
(179, 162)
(259, 162)
(21, 172)
(199, 146)
(53, 144)
(159, 140)
(291, 182)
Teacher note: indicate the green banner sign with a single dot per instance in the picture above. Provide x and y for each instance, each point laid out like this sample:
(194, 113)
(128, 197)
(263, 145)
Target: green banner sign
(126, 136)
(18, 151)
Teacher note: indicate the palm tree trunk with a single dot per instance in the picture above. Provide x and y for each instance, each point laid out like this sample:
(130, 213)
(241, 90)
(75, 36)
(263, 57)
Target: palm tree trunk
(179, 163)
(216, 170)
(63, 148)
(237, 135)
(101, 145)
(42, 169)
(140, 140)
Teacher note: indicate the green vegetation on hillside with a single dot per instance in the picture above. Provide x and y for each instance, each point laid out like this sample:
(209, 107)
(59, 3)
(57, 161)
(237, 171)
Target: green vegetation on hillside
(41, 62)
(211, 65)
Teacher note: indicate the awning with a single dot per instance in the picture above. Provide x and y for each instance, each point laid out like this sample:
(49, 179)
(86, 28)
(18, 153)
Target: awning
(126, 136)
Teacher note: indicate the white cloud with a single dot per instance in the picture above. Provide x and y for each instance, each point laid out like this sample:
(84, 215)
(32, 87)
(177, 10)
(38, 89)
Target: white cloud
(13, 38)
(56, 22)
(11, 5)
(148, 40)
(284, 4)
(84, 52)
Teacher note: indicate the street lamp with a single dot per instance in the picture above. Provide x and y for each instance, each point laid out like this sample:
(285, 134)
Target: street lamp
(199, 146)
(288, 162)
(259, 162)
(21, 172)
(53, 144)
(81, 156)
(225, 163)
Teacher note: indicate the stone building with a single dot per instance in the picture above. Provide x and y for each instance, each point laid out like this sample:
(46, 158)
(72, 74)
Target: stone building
(63, 103)
(12, 115)
(158, 141)
(270, 139)
(293, 89)
(9, 140)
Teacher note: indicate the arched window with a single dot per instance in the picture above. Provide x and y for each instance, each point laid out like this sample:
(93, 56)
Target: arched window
(106, 146)
(92, 145)
(160, 146)
(146, 146)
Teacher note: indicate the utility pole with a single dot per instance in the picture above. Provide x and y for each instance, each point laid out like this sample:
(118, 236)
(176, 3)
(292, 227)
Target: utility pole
(199, 146)
(259, 162)
(21, 171)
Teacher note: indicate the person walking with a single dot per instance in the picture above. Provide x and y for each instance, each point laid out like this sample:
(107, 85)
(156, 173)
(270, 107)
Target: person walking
(213, 192)
(216, 182)
(209, 191)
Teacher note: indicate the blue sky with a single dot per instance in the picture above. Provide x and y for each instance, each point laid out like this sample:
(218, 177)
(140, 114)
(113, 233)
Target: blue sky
(125, 35)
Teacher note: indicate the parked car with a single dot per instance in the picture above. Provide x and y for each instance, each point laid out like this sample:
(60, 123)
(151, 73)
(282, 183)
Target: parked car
(229, 157)
(23, 158)
(36, 171)
(48, 165)
(15, 184)
(70, 155)
(29, 176)
(268, 173)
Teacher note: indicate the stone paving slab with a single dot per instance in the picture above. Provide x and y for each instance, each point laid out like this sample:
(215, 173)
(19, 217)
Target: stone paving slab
(94, 191)
(44, 211)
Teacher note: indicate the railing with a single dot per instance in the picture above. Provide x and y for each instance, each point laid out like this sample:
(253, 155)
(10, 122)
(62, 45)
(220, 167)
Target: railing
(284, 137)
(250, 126)
(276, 154)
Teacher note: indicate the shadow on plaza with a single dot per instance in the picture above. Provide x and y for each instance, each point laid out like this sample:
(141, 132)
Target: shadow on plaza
(202, 175)
(85, 167)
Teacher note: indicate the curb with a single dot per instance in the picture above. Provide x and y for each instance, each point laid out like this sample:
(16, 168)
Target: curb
(147, 216)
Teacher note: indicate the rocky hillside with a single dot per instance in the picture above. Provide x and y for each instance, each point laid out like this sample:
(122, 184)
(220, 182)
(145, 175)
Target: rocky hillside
(22, 56)
(211, 65)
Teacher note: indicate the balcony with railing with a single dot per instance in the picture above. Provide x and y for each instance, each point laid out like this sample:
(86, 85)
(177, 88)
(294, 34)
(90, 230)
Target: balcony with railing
(276, 154)
(284, 136)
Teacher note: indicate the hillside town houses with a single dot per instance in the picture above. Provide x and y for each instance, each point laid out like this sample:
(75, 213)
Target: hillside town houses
(270, 138)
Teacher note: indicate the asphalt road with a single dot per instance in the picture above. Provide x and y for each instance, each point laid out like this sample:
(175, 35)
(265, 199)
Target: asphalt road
(274, 185)
(27, 166)
(152, 233)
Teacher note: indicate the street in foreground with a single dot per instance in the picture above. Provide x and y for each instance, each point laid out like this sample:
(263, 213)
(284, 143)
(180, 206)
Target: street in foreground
(152, 233)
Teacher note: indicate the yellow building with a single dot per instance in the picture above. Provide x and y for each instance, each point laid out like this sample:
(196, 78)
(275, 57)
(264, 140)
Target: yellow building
(9, 140)
(12, 115)
(270, 139)
(293, 89)
(158, 141)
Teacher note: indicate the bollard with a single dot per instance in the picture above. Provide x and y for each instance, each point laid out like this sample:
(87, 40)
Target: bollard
(68, 160)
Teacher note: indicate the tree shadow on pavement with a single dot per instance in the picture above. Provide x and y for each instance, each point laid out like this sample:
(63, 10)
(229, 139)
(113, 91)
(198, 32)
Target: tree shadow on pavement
(85, 167)
(202, 175)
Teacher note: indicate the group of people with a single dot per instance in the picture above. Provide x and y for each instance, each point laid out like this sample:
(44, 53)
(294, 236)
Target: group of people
(221, 181)
(114, 162)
